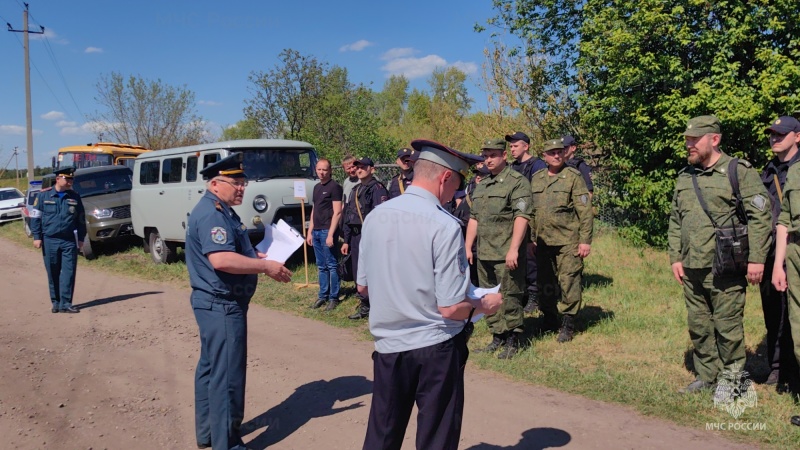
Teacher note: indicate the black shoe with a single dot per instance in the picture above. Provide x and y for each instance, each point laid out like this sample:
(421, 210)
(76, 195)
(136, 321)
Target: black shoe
(533, 303)
(53, 310)
(567, 330)
(796, 421)
(550, 324)
(773, 377)
(319, 303)
(332, 304)
(510, 347)
(70, 310)
(199, 445)
(696, 386)
(497, 341)
(361, 313)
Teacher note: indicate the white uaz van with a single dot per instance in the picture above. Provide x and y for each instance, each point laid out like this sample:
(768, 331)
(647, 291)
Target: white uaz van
(167, 185)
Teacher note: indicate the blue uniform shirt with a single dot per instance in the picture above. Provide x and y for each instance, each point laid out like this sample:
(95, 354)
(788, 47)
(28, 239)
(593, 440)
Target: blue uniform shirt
(58, 216)
(215, 227)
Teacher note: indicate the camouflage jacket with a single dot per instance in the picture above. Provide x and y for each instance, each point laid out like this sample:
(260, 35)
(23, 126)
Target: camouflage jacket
(691, 234)
(496, 202)
(790, 208)
(562, 210)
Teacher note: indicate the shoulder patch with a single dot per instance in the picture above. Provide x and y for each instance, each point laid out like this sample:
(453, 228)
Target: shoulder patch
(522, 205)
(745, 163)
(219, 235)
(759, 202)
(584, 199)
(462, 260)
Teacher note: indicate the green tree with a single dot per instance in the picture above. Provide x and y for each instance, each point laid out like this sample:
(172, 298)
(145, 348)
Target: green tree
(643, 67)
(391, 101)
(243, 129)
(147, 113)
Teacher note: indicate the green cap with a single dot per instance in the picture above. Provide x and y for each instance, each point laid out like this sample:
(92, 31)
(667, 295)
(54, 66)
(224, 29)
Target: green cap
(701, 126)
(494, 144)
(553, 144)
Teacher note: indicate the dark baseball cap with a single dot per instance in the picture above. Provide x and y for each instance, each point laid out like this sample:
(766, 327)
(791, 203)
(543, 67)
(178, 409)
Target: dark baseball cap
(568, 140)
(518, 136)
(365, 161)
(405, 152)
(783, 125)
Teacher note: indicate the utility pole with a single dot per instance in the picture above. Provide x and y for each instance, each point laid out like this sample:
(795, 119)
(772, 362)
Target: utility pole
(16, 165)
(26, 49)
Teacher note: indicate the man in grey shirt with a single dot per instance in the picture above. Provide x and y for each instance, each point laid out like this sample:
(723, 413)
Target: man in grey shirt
(420, 312)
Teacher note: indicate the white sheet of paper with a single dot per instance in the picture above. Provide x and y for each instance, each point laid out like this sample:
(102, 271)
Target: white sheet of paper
(475, 293)
(299, 189)
(280, 242)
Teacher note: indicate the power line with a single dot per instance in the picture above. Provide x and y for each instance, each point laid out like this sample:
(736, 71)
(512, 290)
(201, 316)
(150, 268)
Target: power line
(43, 79)
(52, 55)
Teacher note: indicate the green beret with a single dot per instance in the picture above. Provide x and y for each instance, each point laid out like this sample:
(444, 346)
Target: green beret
(494, 144)
(553, 144)
(701, 126)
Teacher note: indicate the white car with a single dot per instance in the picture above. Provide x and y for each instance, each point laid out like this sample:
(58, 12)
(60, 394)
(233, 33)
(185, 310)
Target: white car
(10, 209)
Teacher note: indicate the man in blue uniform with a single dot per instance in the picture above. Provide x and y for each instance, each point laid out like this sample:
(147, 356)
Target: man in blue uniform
(527, 164)
(58, 225)
(223, 268)
(420, 316)
(576, 162)
(366, 195)
(399, 183)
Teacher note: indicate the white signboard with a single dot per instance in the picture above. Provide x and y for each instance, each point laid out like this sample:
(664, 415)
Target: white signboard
(300, 189)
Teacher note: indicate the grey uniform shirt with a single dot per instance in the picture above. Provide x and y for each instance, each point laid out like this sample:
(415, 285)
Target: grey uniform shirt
(410, 275)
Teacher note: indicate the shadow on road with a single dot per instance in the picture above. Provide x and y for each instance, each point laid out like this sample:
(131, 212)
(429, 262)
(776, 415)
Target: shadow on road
(315, 399)
(116, 298)
(533, 439)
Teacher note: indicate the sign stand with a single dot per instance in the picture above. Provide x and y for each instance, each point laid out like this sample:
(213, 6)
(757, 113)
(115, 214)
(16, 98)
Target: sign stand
(300, 194)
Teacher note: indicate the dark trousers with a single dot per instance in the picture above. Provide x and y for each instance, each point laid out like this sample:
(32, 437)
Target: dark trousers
(61, 262)
(532, 275)
(780, 346)
(355, 243)
(219, 380)
(433, 377)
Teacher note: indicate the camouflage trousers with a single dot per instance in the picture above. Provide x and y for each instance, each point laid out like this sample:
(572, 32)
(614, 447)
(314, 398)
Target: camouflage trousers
(560, 273)
(715, 308)
(512, 286)
(793, 281)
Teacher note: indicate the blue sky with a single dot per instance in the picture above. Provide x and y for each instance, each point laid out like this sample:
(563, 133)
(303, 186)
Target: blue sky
(211, 47)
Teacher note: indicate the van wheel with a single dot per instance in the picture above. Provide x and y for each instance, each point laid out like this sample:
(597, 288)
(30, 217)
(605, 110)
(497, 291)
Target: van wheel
(161, 251)
(88, 251)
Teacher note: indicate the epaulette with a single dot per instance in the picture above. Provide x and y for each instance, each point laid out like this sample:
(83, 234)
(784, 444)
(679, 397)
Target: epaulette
(441, 208)
(745, 163)
(46, 189)
(573, 170)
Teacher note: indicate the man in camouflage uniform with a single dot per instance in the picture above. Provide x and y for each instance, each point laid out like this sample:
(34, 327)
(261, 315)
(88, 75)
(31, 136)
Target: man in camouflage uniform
(715, 305)
(499, 219)
(561, 229)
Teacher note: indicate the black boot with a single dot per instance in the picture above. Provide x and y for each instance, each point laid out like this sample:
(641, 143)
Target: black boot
(533, 303)
(497, 342)
(511, 346)
(567, 330)
(361, 313)
(332, 304)
(550, 323)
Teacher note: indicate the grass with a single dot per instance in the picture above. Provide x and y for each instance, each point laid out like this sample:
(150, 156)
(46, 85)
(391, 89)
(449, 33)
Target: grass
(632, 349)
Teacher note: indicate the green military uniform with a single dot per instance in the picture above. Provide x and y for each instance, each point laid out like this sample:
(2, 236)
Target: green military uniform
(562, 218)
(496, 202)
(715, 305)
(790, 218)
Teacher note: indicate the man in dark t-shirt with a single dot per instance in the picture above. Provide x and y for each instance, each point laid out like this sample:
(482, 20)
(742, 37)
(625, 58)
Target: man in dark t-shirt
(325, 216)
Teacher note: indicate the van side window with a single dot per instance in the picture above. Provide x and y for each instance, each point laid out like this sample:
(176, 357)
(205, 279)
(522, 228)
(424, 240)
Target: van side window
(149, 173)
(210, 159)
(191, 168)
(172, 170)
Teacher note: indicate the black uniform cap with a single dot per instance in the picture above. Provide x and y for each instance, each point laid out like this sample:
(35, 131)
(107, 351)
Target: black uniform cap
(230, 166)
(66, 172)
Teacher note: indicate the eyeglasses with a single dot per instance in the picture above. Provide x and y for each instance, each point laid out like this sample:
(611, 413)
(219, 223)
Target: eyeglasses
(237, 185)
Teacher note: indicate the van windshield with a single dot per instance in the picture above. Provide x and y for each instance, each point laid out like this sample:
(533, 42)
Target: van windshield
(266, 163)
(99, 183)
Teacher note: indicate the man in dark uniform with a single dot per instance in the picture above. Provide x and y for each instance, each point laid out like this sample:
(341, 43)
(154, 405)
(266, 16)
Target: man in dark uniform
(59, 222)
(223, 268)
(399, 183)
(784, 136)
(366, 195)
(527, 165)
(576, 162)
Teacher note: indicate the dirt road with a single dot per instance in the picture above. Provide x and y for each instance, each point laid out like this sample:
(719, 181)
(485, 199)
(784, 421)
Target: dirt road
(119, 375)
